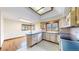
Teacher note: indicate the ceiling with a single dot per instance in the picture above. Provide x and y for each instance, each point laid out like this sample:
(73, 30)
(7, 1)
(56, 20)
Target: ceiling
(17, 13)
(41, 10)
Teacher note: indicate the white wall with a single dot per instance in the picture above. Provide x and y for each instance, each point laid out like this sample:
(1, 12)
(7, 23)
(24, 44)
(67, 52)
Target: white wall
(12, 29)
(0, 28)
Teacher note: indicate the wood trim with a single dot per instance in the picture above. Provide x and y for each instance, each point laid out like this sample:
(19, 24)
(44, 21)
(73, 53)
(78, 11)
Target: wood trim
(14, 38)
(51, 41)
(40, 8)
(35, 43)
(42, 40)
(53, 21)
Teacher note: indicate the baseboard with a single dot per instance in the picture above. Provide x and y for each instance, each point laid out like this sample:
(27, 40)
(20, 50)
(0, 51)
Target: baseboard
(51, 41)
(35, 43)
(44, 40)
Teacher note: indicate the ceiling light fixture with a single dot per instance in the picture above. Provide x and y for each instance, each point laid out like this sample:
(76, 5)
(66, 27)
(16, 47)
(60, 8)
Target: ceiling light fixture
(24, 20)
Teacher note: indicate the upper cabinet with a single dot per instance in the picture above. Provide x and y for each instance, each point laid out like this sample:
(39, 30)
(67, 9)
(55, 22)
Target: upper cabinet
(77, 16)
(71, 19)
(43, 25)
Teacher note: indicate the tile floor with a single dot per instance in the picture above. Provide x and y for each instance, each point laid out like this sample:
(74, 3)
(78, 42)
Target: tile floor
(42, 46)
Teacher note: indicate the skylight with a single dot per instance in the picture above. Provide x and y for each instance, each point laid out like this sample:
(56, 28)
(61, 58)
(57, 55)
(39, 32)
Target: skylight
(36, 8)
(42, 10)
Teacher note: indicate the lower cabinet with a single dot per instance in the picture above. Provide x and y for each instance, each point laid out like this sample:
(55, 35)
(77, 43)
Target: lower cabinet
(43, 35)
(39, 37)
(51, 37)
(47, 36)
(33, 39)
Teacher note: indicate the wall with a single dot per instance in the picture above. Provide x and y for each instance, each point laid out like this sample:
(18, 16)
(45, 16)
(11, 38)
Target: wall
(0, 28)
(12, 29)
(37, 26)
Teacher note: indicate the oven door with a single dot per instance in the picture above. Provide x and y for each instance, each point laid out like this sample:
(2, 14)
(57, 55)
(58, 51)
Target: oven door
(70, 45)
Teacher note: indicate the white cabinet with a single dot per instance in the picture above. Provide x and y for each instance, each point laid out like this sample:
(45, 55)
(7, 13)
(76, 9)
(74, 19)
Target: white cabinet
(52, 37)
(39, 37)
(62, 23)
(33, 39)
(43, 35)
(47, 36)
(70, 20)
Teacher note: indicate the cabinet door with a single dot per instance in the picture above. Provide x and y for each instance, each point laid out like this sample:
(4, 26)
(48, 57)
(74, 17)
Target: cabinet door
(70, 19)
(43, 35)
(53, 37)
(77, 16)
(47, 36)
(73, 18)
(62, 23)
(39, 37)
(34, 39)
(43, 26)
(29, 40)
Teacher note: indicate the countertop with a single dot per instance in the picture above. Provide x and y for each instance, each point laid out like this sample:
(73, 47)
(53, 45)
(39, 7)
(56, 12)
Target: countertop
(36, 32)
(24, 33)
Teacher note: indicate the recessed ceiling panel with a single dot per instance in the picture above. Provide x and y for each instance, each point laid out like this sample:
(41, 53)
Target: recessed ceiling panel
(42, 10)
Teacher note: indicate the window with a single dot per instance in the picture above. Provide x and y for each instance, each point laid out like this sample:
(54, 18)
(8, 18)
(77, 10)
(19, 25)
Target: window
(26, 27)
(51, 27)
(54, 26)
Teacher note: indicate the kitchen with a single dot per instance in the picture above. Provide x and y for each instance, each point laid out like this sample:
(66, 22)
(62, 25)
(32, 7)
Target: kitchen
(30, 29)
